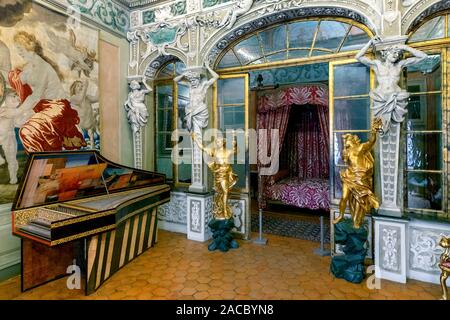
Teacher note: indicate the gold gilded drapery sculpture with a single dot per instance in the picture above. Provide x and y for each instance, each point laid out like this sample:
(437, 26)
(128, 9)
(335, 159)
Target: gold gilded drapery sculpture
(444, 264)
(224, 178)
(357, 178)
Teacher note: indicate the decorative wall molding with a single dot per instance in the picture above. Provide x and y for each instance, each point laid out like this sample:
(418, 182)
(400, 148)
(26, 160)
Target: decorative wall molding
(163, 13)
(199, 213)
(298, 74)
(156, 64)
(212, 3)
(424, 249)
(238, 208)
(161, 36)
(240, 204)
(390, 249)
(175, 210)
(135, 19)
(195, 224)
(419, 11)
(138, 3)
(389, 159)
(105, 12)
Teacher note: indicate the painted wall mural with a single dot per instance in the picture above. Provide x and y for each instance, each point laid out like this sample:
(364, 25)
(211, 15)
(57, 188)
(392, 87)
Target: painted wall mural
(48, 87)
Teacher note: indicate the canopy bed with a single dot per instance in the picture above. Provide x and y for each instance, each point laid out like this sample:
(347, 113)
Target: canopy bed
(300, 113)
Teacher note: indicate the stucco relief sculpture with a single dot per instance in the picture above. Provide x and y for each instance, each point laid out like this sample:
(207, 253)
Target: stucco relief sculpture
(445, 265)
(197, 112)
(357, 193)
(390, 101)
(137, 115)
(219, 158)
(135, 107)
(240, 7)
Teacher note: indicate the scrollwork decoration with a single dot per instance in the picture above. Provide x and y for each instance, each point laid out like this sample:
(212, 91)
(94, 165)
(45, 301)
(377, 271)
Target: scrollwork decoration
(105, 11)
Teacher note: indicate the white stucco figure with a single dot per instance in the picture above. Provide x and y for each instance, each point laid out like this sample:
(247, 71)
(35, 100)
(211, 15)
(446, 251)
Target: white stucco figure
(197, 112)
(82, 102)
(389, 100)
(135, 107)
(8, 140)
(241, 7)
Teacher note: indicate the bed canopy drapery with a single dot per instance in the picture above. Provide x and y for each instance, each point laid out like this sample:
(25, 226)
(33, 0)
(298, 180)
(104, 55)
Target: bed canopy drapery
(303, 133)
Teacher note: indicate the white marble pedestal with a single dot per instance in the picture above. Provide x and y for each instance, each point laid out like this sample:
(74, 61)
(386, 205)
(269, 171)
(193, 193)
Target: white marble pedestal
(199, 213)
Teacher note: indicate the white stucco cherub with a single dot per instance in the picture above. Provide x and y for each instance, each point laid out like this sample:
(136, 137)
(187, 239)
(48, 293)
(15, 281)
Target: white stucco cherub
(197, 112)
(135, 107)
(389, 100)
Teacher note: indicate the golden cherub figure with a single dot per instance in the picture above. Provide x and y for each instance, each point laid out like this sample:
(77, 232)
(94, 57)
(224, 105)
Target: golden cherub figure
(357, 178)
(444, 264)
(224, 178)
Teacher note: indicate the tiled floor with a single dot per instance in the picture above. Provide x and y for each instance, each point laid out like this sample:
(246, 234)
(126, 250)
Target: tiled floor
(180, 269)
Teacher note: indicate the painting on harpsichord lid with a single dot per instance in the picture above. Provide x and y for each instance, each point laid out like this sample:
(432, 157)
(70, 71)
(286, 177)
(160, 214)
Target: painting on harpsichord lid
(48, 86)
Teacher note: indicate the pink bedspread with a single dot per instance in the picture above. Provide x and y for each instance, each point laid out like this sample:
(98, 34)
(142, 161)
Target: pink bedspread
(312, 193)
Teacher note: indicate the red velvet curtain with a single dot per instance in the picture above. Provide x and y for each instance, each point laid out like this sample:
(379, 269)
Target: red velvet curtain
(306, 146)
(274, 112)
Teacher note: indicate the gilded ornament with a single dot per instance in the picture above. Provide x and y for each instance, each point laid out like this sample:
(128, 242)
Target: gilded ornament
(444, 264)
(357, 178)
(224, 177)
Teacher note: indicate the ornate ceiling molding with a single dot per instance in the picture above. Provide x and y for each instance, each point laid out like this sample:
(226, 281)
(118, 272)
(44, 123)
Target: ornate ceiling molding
(106, 14)
(138, 3)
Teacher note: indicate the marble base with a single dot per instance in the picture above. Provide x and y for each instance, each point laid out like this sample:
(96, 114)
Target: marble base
(390, 248)
(199, 213)
(393, 212)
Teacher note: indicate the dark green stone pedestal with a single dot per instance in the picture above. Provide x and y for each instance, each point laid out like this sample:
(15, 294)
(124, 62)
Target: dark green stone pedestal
(350, 265)
(222, 238)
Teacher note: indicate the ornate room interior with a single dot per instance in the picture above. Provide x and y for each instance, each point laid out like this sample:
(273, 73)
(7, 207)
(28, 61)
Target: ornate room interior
(220, 149)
